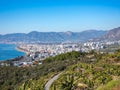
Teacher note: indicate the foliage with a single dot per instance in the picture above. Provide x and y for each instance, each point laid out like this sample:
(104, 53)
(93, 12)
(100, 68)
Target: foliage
(110, 85)
(86, 71)
(11, 77)
(89, 76)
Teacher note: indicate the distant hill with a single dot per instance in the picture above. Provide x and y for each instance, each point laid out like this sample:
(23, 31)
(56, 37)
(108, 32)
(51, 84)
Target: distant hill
(35, 36)
(113, 34)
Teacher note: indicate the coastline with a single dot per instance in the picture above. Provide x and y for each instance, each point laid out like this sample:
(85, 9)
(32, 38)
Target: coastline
(14, 47)
(22, 50)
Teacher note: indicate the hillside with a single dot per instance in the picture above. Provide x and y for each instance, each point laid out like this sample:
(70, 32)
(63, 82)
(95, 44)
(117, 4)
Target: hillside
(113, 34)
(85, 71)
(35, 36)
(79, 70)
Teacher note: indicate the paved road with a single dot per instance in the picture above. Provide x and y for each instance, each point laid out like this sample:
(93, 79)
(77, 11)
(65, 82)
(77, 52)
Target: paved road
(49, 83)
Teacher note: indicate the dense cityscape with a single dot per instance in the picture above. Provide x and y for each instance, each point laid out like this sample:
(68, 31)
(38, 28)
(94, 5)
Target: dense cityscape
(36, 53)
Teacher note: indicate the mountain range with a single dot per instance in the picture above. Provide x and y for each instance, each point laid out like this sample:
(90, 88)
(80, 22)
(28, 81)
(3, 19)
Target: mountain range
(35, 36)
(48, 37)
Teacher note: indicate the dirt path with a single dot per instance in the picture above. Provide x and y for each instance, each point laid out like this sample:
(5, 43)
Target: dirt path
(49, 83)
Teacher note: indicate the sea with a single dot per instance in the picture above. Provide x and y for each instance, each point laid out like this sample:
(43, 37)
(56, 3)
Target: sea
(8, 51)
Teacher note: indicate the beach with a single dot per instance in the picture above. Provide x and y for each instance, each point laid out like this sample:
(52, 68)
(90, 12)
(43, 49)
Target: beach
(18, 48)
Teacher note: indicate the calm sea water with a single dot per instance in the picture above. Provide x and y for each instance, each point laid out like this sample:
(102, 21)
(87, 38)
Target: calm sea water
(8, 51)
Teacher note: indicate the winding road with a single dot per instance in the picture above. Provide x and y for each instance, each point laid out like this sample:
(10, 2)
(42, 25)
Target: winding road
(49, 83)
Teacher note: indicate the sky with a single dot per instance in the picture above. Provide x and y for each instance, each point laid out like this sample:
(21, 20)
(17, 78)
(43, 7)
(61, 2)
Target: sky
(24, 16)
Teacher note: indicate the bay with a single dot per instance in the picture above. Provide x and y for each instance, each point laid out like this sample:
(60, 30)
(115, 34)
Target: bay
(8, 51)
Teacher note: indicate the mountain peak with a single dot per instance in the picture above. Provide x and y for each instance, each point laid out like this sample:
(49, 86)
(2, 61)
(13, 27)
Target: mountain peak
(33, 32)
(68, 33)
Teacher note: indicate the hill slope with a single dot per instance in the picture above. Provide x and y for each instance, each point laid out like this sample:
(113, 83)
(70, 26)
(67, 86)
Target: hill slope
(113, 34)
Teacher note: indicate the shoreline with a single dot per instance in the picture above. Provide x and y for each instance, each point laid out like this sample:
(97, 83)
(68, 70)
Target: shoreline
(17, 50)
(22, 50)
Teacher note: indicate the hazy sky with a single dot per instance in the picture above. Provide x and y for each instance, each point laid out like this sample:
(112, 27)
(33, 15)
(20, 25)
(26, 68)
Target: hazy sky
(58, 15)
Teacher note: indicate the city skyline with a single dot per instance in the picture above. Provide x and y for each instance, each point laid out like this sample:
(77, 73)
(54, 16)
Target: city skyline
(24, 16)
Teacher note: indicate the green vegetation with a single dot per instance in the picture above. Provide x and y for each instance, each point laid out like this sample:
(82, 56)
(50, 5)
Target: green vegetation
(36, 84)
(105, 71)
(81, 71)
(86, 76)
(110, 85)
(12, 77)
